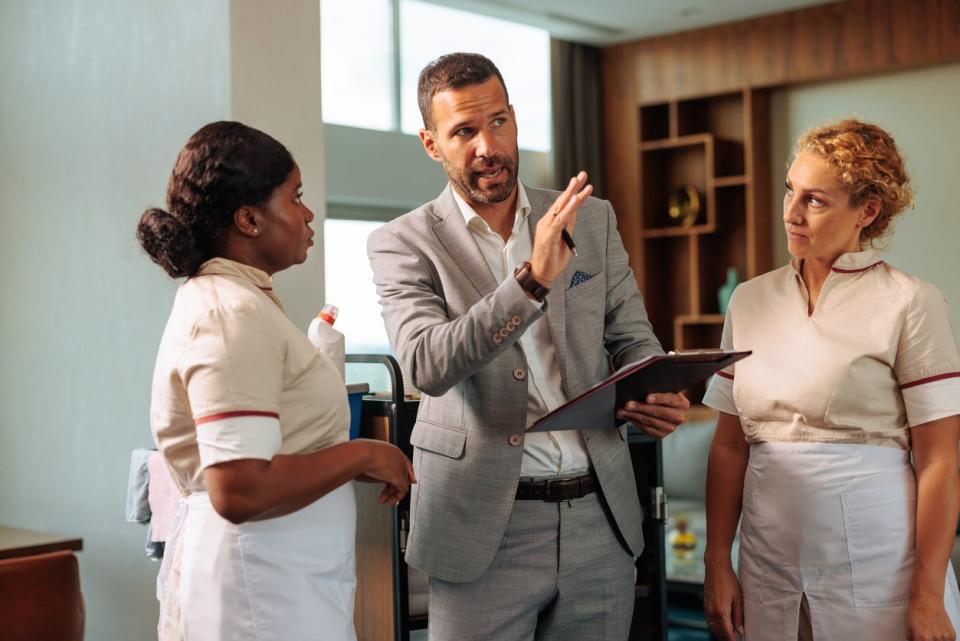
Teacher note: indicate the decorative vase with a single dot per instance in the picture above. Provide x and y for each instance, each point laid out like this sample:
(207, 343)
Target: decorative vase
(726, 290)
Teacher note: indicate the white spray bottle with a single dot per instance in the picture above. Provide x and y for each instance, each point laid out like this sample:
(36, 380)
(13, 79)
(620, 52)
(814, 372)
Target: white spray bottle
(326, 339)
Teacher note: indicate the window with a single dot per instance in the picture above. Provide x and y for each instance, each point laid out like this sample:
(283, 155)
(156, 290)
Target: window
(356, 41)
(373, 51)
(521, 53)
(349, 286)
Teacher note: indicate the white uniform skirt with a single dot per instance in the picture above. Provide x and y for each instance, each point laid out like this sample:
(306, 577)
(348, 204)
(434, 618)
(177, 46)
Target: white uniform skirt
(834, 522)
(290, 577)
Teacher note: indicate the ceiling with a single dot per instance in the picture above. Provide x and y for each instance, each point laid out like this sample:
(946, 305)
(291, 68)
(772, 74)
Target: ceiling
(603, 22)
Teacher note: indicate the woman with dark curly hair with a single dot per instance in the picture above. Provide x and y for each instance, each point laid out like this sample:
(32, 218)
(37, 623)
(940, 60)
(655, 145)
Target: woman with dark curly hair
(251, 420)
(855, 371)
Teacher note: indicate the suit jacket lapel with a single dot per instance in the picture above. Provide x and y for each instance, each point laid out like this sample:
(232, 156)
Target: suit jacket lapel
(556, 308)
(452, 231)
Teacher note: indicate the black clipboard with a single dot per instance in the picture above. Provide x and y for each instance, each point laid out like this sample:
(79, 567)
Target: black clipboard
(596, 408)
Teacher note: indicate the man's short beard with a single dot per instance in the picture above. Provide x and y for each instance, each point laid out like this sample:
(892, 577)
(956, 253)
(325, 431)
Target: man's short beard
(466, 181)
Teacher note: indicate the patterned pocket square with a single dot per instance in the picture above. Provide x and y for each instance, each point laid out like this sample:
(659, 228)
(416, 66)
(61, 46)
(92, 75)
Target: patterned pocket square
(580, 277)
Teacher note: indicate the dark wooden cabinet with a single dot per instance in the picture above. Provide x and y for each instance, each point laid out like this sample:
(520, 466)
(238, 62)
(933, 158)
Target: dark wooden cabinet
(712, 151)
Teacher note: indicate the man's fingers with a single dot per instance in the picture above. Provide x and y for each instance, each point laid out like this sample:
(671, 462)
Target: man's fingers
(564, 197)
(673, 400)
(673, 415)
(652, 426)
(570, 194)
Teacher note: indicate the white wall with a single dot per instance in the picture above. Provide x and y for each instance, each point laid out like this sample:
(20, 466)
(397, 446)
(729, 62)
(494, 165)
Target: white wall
(96, 99)
(275, 86)
(919, 108)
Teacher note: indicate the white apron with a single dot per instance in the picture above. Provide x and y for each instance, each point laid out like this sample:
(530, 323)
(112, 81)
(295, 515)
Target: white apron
(834, 522)
(290, 577)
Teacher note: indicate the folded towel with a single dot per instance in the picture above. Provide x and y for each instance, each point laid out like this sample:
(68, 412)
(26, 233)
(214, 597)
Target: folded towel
(163, 496)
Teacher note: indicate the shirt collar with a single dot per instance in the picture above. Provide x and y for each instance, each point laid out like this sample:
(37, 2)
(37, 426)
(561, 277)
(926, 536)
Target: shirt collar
(476, 223)
(849, 263)
(226, 267)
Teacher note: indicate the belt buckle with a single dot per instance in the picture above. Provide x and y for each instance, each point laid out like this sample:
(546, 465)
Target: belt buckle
(548, 492)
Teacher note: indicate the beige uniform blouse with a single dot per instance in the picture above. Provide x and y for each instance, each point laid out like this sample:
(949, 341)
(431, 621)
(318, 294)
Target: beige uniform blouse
(236, 379)
(877, 356)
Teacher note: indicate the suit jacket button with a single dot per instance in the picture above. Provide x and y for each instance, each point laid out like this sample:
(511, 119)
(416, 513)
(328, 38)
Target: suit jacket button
(497, 338)
(516, 320)
(515, 440)
(504, 332)
(519, 373)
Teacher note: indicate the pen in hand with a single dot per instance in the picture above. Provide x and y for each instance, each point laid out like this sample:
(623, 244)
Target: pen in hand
(568, 239)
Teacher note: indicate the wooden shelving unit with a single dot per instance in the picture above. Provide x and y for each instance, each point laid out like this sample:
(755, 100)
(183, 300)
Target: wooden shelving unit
(718, 145)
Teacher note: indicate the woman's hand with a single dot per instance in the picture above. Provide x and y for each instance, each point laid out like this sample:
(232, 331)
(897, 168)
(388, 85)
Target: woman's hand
(927, 620)
(723, 602)
(388, 465)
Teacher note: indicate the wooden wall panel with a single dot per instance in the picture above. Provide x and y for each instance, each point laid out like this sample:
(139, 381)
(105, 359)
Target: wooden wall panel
(622, 160)
(819, 43)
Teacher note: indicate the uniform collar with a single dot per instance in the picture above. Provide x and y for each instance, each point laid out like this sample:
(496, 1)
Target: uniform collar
(225, 267)
(475, 222)
(848, 263)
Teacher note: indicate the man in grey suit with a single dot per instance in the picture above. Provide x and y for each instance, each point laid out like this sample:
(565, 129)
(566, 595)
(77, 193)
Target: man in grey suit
(523, 535)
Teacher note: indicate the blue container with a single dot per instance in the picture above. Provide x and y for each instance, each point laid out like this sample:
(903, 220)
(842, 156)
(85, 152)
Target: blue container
(355, 392)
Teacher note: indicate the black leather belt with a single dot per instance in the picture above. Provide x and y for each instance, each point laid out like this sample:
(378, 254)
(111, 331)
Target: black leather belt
(556, 490)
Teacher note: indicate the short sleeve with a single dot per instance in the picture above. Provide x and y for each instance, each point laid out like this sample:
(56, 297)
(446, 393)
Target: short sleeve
(233, 373)
(928, 362)
(719, 394)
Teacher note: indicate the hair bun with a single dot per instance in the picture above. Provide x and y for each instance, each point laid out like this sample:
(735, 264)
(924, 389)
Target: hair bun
(169, 243)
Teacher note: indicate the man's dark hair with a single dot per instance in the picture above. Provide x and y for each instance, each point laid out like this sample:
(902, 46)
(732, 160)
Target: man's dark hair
(453, 71)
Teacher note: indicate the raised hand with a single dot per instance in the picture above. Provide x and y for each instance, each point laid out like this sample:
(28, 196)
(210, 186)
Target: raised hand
(550, 253)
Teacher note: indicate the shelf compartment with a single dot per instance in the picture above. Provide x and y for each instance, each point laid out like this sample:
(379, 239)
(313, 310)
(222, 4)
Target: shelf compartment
(721, 115)
(698, 332)
(728, 158)
(667, 272)
(655, 121)
(724, 249)
(669, 166)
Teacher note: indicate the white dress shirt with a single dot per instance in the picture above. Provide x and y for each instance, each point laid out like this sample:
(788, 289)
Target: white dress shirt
(545, 454)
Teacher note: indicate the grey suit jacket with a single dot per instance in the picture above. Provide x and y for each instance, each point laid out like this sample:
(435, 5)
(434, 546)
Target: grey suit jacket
(444, 312)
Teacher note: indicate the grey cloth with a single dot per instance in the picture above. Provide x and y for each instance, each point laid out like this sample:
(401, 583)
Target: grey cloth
(454, 329)
(138, 504)
(560, 574)
(138, 483)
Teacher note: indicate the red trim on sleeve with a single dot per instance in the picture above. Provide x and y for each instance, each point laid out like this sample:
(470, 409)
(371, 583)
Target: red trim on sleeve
(854, 271)
(222, 415)
(931, 379)
(725, 375)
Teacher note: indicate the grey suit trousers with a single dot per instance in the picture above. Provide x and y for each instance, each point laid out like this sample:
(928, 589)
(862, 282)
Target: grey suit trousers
(560, 574)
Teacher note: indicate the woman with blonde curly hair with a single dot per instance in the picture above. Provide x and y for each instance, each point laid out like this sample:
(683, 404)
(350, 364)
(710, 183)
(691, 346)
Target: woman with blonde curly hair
(855, 372)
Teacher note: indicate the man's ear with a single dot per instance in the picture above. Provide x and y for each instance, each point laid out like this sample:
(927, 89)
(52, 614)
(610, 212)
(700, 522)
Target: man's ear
(430, 145)
(871, 209)
(247, 219)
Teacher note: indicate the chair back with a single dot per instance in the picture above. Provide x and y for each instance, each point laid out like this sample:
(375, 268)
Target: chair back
(40, 598)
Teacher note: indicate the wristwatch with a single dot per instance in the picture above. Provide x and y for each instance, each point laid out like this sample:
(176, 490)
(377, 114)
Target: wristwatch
(524, 276)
